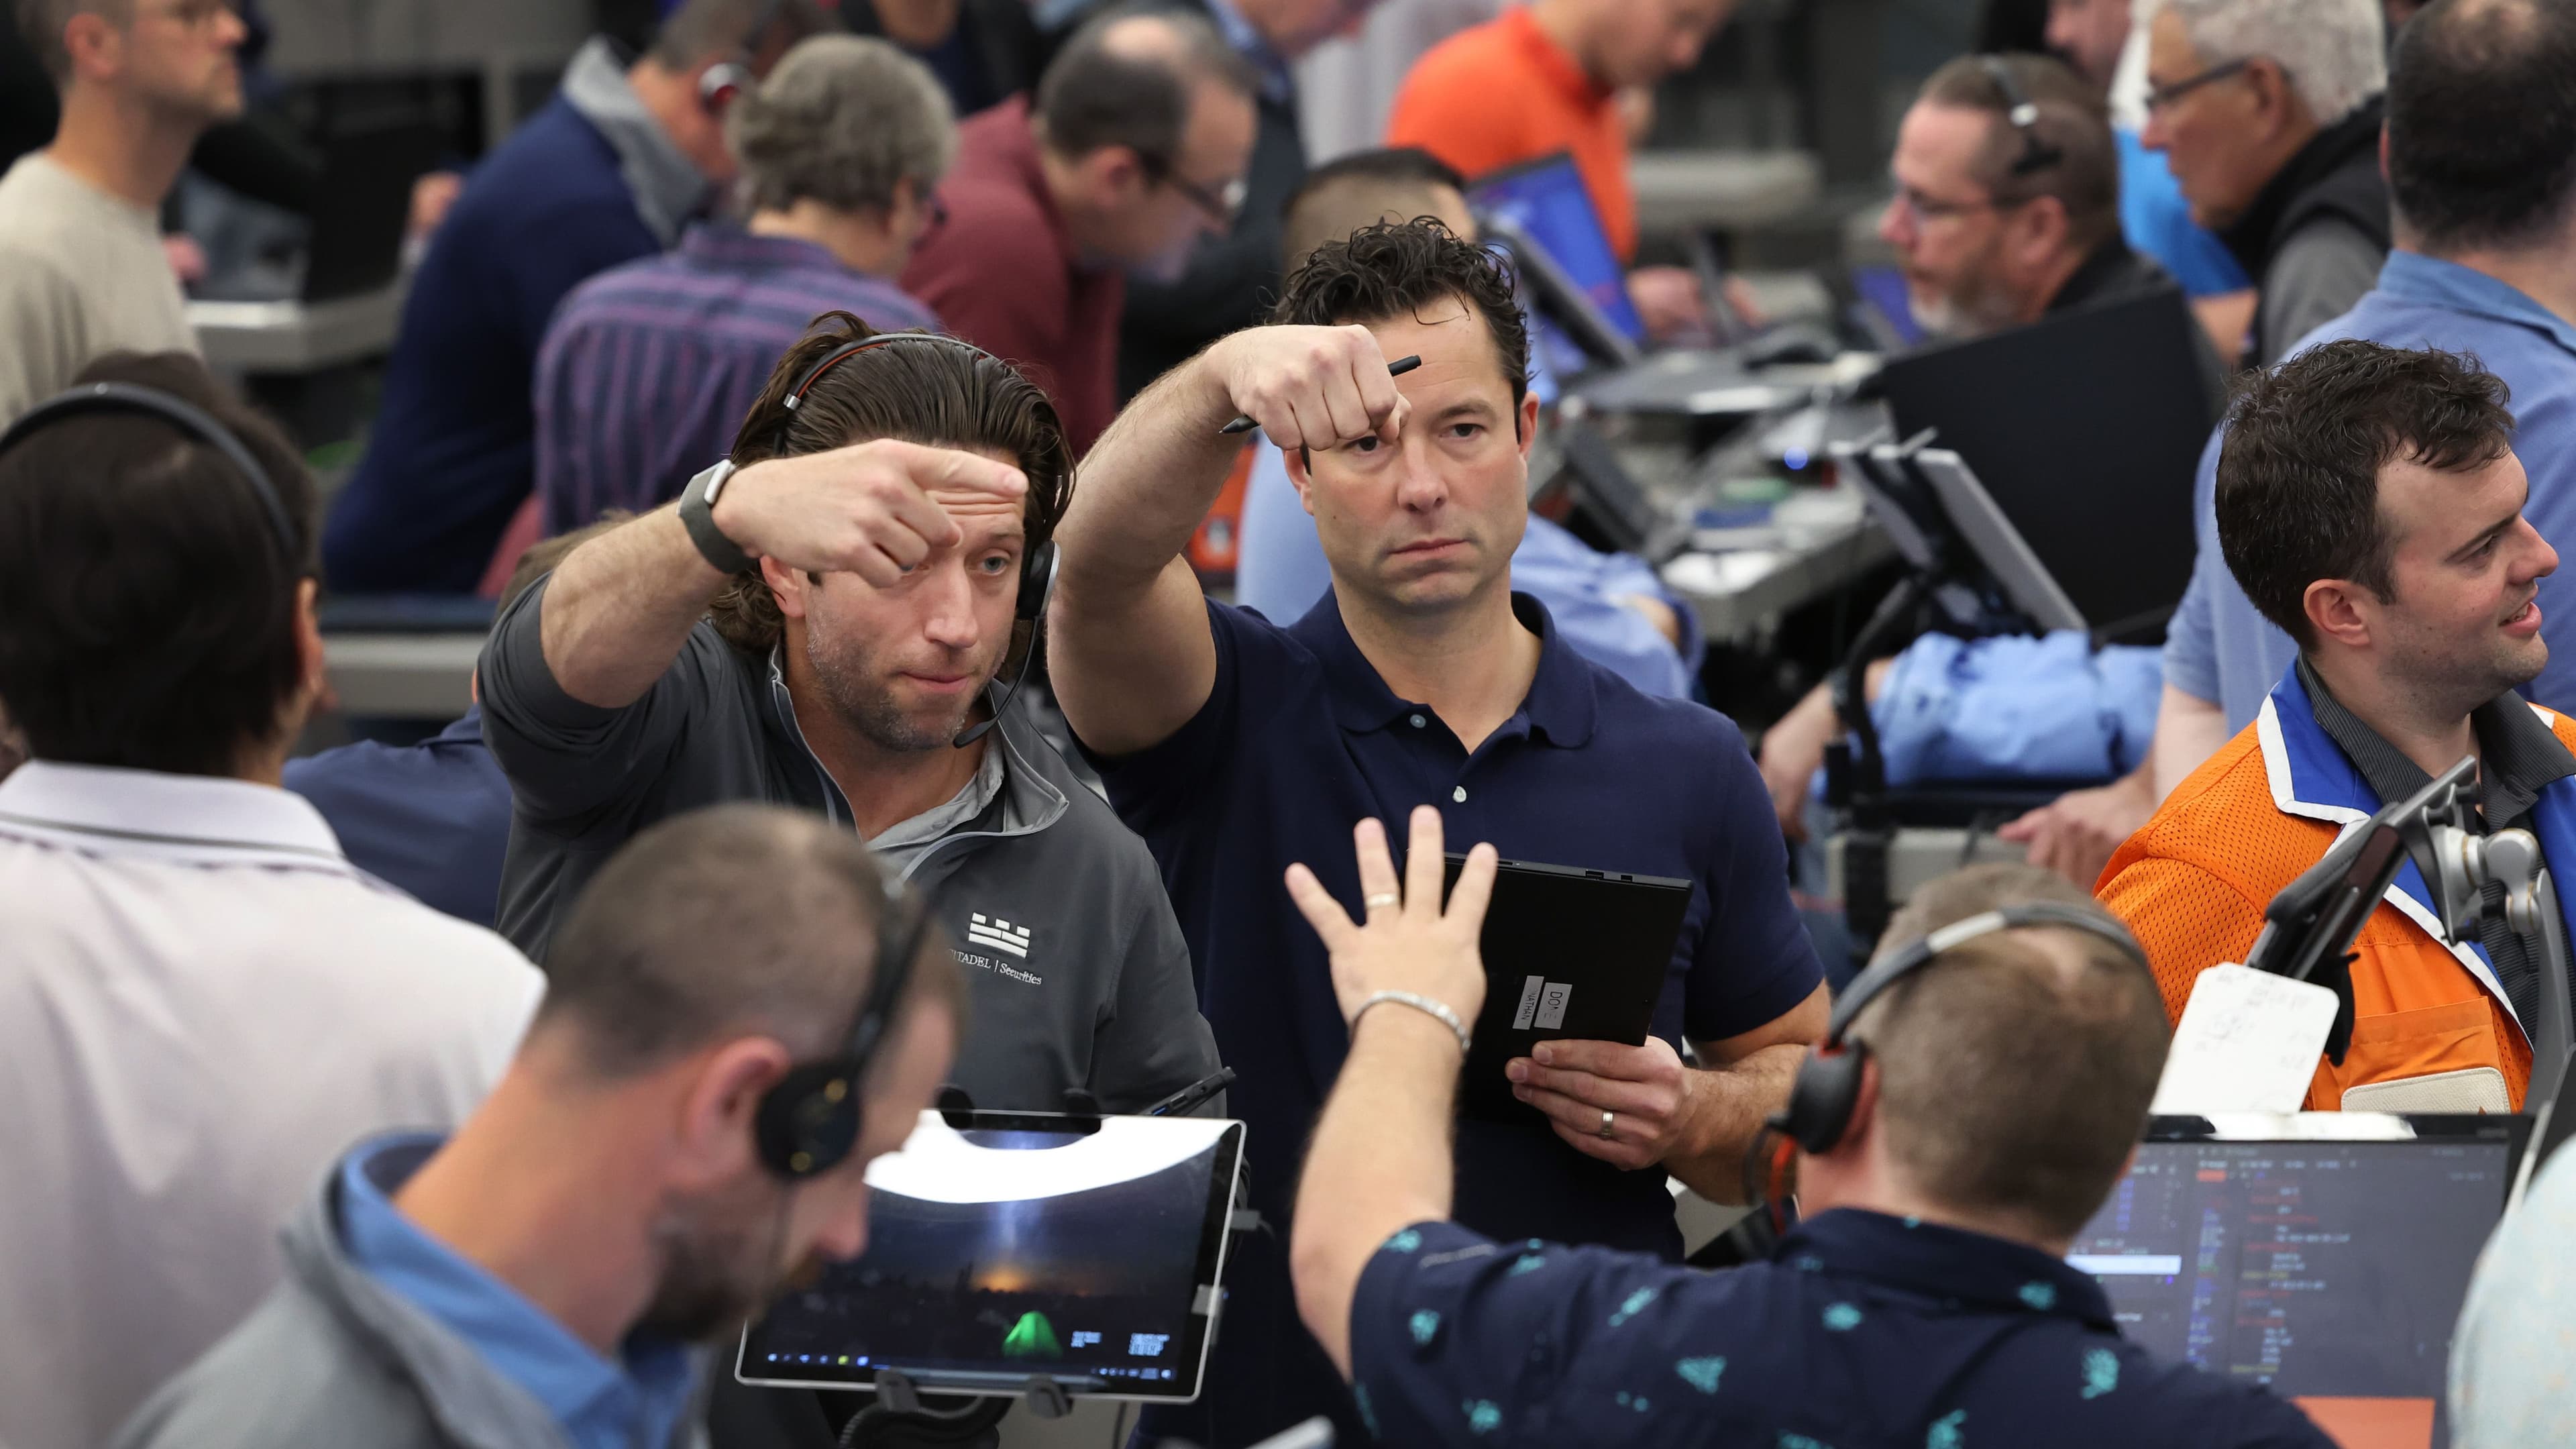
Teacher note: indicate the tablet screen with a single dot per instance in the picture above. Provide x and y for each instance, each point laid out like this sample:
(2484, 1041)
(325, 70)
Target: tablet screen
(1017, 1245)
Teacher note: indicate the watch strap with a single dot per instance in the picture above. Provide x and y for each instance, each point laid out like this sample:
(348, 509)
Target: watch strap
(698, 515)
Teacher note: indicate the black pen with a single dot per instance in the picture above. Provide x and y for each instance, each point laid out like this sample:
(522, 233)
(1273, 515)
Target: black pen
(1245, 424)
(1191, 1095)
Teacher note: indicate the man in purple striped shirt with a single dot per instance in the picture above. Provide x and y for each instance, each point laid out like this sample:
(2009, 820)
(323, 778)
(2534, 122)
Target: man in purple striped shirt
(647, 369)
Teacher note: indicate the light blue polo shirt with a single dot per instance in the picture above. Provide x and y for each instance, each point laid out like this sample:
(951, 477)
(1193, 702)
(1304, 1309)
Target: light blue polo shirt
(2219, 648)
(632, 1402)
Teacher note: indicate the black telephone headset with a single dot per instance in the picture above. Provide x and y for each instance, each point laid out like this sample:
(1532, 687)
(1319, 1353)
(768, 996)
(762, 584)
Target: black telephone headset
(810, 1121)
(1827, 1089)
(1037, 566)
(188, 418)
(2022, 114)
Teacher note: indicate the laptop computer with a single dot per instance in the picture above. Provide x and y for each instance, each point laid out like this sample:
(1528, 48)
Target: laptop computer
(2286, 1253)
(1585, 324)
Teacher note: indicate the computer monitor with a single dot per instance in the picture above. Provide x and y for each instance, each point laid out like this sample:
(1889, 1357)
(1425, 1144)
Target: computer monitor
(2330, 1270)
(2086, 429)
(1546, 201)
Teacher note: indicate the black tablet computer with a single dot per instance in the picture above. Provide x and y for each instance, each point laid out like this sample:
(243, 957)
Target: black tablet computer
(1570, 954)
(1005, 1245)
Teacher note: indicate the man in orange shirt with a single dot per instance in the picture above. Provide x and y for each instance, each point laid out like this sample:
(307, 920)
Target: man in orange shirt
(1546, 77)
(2370, 504)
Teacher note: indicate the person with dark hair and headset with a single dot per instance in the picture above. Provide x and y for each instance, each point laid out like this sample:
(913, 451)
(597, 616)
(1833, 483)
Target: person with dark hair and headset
(837, 618)
(201, 998)
(1977, 1093)
(745, 1010)
(631, 149)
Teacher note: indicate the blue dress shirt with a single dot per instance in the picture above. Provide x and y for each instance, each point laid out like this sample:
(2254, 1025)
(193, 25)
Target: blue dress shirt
(2157, 221)
(1862, 1331)
(1280, 570)
(2220, 648)
(1299, 739)
(632, 1402)
(432, 819)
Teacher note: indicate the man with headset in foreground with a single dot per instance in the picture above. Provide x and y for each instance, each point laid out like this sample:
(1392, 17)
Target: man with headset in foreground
(745, 1009)
(1974, 1099)
(814, 624)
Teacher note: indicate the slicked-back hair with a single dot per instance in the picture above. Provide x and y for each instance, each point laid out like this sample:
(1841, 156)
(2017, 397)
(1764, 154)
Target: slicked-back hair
(147, 609)
(2482, 123)
(2015, 1070)
(730, 921)
(704, 29)
(2298, 476)
(1101, 90)
(2072, 120)
(42, 22)
(841, 119)
(1396, 269)
(1362, 189)
(935, 393)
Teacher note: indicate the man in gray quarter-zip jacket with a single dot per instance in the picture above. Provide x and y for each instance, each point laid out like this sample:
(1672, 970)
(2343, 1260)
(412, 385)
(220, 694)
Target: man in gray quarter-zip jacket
(655, 672)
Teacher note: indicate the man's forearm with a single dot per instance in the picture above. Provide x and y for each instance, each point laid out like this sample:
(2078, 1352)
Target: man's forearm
(1380, 1162)
(619, 608)
(1728, 1106)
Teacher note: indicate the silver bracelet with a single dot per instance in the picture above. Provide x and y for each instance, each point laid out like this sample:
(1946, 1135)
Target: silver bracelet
(1421, 1003)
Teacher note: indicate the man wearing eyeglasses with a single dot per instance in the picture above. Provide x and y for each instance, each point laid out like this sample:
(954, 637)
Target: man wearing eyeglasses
(81, 267)
(1135, 147)
(1998, 221)
(2269, 112)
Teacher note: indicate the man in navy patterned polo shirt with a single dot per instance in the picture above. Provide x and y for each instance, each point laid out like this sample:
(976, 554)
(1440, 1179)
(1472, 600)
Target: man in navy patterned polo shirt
(1927, 1301)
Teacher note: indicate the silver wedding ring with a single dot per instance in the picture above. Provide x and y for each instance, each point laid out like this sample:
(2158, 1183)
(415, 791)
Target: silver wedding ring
(1383, 898)
(1606, 1119)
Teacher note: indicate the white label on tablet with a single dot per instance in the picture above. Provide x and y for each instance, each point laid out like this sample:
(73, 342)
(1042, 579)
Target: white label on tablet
(1551, 1006)
(2248, 1042)
(1529, 1002)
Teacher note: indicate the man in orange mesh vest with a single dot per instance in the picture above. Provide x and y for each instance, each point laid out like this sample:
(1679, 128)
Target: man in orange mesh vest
(2370, 503)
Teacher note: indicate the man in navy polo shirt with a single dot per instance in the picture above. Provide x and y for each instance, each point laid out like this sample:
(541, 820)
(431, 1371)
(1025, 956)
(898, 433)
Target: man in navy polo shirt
(1236, 747)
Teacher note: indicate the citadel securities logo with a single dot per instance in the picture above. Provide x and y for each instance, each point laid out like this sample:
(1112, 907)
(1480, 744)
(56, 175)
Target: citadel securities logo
(1001, 935)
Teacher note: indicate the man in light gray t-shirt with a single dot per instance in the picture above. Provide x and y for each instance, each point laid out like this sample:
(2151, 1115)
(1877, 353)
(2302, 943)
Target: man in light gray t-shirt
(81, 267)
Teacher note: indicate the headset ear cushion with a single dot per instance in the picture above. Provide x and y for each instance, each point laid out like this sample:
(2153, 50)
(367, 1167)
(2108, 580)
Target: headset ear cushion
(808, 1123)
(1823, 1097)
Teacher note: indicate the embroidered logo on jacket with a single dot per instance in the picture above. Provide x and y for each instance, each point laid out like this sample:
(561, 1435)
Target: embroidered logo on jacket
(1000, 935)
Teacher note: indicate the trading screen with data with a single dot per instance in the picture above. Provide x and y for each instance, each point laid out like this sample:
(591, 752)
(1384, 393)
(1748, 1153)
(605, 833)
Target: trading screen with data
(2331, 1271)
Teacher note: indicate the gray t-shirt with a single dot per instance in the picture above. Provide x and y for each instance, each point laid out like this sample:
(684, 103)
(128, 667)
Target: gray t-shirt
(81, 274)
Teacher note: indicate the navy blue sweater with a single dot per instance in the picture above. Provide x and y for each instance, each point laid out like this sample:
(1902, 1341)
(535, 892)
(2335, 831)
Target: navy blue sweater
(453, 452)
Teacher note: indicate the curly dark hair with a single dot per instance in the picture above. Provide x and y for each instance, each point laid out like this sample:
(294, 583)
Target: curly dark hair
(936, 391)
(2298, 476)
(1397, 268)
